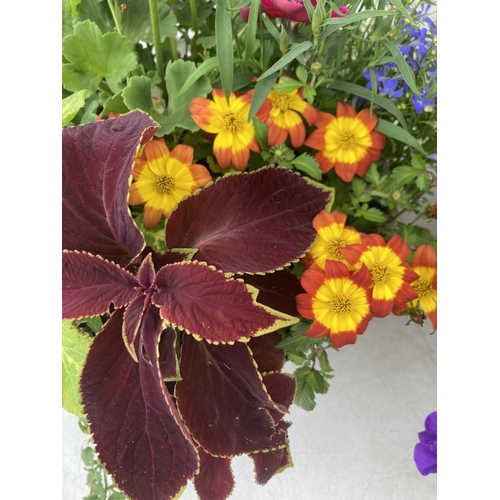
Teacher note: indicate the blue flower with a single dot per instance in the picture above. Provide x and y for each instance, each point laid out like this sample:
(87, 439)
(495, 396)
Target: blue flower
(425, 453)
(420, 102)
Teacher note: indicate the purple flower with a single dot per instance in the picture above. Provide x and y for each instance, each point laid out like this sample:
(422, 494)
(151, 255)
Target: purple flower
(421, 102)
(425, 453)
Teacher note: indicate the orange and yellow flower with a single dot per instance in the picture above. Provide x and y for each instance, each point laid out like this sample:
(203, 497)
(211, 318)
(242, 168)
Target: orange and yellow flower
(234, 137)
(284, 118)
(162, 178)
(337, 301)
(347, 142)
(425, 265)
(332, 235)
(391, 275)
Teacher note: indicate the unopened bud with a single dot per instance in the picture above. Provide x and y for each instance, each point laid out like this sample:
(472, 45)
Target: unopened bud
(316, 68)
(284, 40)
(318, 17)
(396, 195)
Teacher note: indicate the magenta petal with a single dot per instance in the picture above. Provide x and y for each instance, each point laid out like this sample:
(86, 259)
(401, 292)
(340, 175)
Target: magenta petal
(292, 10)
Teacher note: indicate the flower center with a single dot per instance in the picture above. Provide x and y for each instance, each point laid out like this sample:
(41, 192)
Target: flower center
(281, 100)
(423, 287)
(380, 273)
(341, 304)
(231, 122)
(347, 140)
(333, 248)
(164, 184)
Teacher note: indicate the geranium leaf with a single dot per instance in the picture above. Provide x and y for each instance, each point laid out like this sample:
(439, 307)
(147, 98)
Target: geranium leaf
(138, 434)
(268, 357)
(215, 480)
(207, 304)
(277, 290)
(90, 284)
(94, 56)
(75, 346)
(248, 223)
(97, 162)
(222, 400)
(271, 463)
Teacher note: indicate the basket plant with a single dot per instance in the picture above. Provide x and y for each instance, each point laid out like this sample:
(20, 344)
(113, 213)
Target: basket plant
(242, 186)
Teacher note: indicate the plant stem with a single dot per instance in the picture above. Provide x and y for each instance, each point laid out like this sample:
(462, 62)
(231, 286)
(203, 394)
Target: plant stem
(155, 25)
(116, 17)
(194, 15)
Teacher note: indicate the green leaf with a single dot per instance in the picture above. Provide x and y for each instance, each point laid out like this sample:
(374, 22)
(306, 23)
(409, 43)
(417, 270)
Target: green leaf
(94, 56)
(287, 58)
(402, 9)
(404, 69)
(307, 164)
(374, 214)
(358, 186)
(115, 104)
(399, 134)
(71, 105)
(357, 16)
(96, 11)
(324, 363)
(136, 21)
(261, 133)
(304, 392)
(302, 74)
(309, 94)
(418, 162)
(297, 358)
(75, 346)
(87, 456)
(372, 175)
(320, 383)
(207, 42)
(416, 235)
(201, 70)
(251, 30)
(271, 27)
(224, 43)
(137, 95)
(260, 93)
(404, 174)
(367, 94)
(422, 181)
(177, 74)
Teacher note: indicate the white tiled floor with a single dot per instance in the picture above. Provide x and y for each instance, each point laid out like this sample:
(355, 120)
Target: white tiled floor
(357, 444)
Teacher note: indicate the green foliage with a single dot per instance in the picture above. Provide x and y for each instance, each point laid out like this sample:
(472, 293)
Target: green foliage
(94, 56)
(71, 105)
(75, 346)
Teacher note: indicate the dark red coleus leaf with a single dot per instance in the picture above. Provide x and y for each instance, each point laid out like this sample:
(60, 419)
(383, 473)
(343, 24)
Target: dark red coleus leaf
(90, 284)
(215, 480)
(138, 433)
(249, 223)
(281, 389)
(277, 290)
(168, 358)
(223, 401)
(267, 357)
(271, 463)
(210, 305)
(97, 164)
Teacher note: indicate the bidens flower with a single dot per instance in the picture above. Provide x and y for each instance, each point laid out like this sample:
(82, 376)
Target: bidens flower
(425, 265)
(234, 137)
(284, 117)
(337, 301)
(347, 142)
(162, 178)
(391, 276)
(332, 235)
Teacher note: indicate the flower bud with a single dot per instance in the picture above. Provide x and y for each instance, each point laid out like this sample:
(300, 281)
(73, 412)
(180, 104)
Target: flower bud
(284, 40)
(316, 68)
(318, 17)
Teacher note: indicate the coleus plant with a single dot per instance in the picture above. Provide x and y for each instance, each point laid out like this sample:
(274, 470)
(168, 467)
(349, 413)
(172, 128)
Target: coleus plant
(185, 374)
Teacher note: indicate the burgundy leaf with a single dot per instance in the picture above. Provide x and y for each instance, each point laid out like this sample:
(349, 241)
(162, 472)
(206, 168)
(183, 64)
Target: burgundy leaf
(97, 164)
(267, 357)
(137, 430)
(91, 284)
(209, 305)
(281, 389)
(277, 290)
(222, 400)
(168, 358)
(249, 223)
(131, 323)
(146, 272)
(215, 481)
(271, 463)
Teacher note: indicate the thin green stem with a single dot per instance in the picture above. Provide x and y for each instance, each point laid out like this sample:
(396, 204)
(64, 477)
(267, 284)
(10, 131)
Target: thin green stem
(155, 25)
(173, 47)
(194, 15)
(116, 17)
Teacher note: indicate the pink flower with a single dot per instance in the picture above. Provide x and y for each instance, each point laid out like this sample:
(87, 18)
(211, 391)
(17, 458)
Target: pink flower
(293, 10)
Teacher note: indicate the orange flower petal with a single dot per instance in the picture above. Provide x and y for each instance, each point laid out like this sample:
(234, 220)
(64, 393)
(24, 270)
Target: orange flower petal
(304, 305)
(424, 256)
(341, 339)
(369, 121)
(344, 109)
(311, 281)
(378, 140)
(183, 153)
(325, 164)
(382, 307)
(317, 330)
(151, 217)
(317, 139)
(324, 119)
(345, 171)
(399, 247)
(364, 164)
(201, 175)
(335, 269)
(405, 294)
(277, 135)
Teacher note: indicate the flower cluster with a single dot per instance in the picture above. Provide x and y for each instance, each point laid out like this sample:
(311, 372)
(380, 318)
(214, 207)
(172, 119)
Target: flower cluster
(346, 142)
(353, 277)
